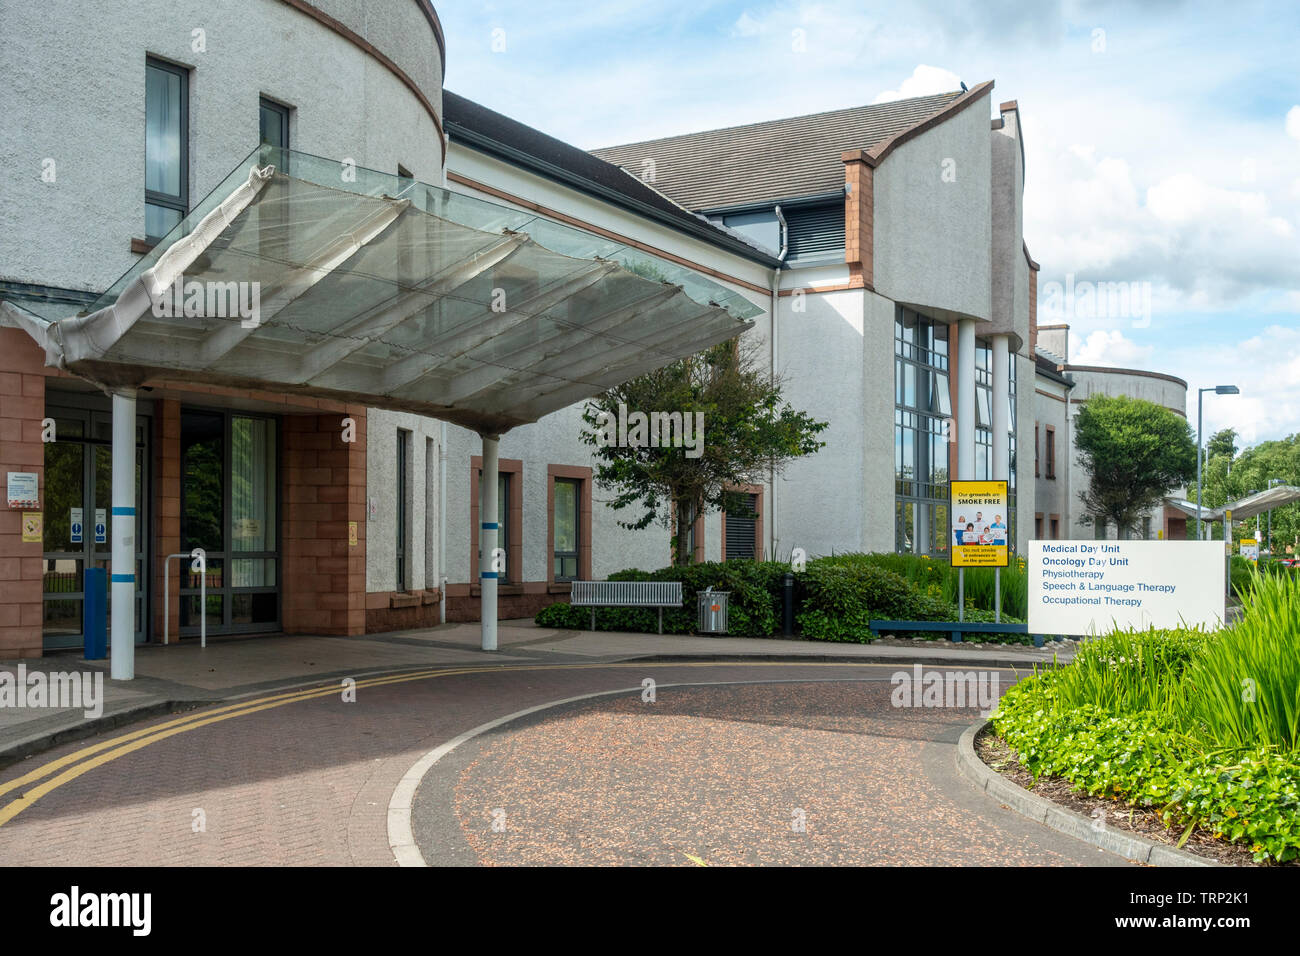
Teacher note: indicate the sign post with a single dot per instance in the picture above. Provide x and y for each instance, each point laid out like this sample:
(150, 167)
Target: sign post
(1093, 587)
(979, 515)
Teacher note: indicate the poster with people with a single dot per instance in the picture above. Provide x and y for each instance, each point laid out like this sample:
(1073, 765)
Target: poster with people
(979, 524)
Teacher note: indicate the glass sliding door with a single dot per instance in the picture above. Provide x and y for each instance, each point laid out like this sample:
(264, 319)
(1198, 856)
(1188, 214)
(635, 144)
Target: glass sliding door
(230, 508)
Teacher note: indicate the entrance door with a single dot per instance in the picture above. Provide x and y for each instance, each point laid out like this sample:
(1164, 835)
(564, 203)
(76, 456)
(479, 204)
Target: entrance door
(78, 491)
(229, 508)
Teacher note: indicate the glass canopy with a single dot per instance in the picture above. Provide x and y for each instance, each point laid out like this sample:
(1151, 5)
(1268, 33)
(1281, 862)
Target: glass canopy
(317, 277)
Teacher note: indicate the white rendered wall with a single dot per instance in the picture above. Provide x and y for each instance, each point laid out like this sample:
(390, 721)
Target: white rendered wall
(1161, 389)
(1051, 495)
(74, 93)
(932, 237)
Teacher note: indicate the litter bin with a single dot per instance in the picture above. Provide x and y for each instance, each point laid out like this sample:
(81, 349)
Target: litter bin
(94, 623)
(712, 611)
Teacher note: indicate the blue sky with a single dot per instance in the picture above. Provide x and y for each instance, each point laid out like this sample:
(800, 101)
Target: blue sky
(1162, 139)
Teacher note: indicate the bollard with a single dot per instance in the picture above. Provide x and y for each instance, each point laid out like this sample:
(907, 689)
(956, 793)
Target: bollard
(94, 614)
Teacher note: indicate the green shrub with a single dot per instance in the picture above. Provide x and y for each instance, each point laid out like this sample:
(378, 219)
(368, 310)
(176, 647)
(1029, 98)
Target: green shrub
(835, 597)
(1252, 797)
(840, 599)
(938, 579)
(754, 608)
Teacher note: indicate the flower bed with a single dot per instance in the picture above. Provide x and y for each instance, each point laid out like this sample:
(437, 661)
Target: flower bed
(1202, 726)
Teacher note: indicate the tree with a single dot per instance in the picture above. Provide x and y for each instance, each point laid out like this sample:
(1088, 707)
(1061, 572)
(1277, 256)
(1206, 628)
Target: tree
(1134, 452)
(1228, 478)
(1222, 442)
(747, 430)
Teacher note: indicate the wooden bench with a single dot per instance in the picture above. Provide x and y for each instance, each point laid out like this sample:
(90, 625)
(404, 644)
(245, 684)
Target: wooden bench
(955, 628)
(657, 594)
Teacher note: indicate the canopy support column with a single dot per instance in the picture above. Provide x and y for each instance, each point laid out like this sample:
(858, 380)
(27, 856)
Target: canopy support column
(122, 523)
(489, 565)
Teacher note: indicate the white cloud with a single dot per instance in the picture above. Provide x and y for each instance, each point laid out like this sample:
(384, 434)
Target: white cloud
(746, 26)
(1108, 348)
(1200, 246)
(1185, 198)
(1293, 122)
(924, 81)
(1266, 367)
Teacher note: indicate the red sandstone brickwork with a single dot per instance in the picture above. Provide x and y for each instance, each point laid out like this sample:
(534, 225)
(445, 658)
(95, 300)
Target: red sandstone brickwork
(324, 489)
(398, 611)
(22, 406)
(513, 600)
(167, 505)
(859, 219)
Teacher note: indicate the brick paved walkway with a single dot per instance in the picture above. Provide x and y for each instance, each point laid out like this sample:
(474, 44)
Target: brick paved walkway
(309, 782)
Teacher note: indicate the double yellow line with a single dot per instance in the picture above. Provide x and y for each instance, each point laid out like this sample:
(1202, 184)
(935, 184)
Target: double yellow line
(82, 761)
(88, 758)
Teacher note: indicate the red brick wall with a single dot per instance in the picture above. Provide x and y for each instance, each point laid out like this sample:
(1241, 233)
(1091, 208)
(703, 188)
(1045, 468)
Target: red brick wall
(859, 220)
(513, 600)
(324, 489)
(167, 522)
(22, 406)
(397, 611)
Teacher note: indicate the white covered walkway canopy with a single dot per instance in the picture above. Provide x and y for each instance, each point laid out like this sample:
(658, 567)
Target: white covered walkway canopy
(1243, 508)
(318, 278)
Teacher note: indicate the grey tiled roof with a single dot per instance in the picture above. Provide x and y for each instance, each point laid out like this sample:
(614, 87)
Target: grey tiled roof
(779, 159)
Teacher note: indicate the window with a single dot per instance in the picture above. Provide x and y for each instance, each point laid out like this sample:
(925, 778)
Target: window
(166, 147)
(1056, 527)
(568, 524)
(1102, 530)
(1051, 452)
(565, 518)
(689, 524)
(1038, 526)
(922, 408)
(504, 531)
(401, 531)
(273, 124)
(273, 132)
(741, 530)
(1146, 528)
(509, 518)
(1036, 472)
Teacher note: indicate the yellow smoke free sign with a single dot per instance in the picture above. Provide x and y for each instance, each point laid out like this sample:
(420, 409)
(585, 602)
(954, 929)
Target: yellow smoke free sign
(979, 524)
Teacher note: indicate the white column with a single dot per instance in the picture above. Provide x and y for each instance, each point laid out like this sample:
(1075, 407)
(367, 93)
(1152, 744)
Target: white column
(966, 400)
(122, 529)
(1001, 406)
(488, 542)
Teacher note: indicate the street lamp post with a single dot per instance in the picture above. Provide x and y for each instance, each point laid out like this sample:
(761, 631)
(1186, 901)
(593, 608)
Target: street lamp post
(1200, 405)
